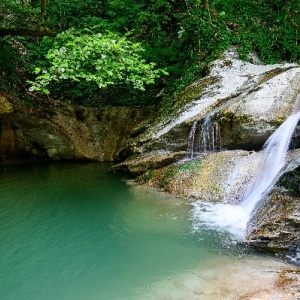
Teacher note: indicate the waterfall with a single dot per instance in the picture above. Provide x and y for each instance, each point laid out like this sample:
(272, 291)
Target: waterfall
(191, 140)
(271, 160)
(204, 137)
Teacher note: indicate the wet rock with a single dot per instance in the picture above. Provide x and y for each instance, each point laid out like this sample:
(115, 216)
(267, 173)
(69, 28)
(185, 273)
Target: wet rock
(291, 182)
(275, 223)
(212, 177)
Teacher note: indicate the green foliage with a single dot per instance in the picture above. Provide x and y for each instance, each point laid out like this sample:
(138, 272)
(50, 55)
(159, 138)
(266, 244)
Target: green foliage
(104, 59)
(267, 27)
(17, 13)
(9, 61)
(65, 14)
(181, 37)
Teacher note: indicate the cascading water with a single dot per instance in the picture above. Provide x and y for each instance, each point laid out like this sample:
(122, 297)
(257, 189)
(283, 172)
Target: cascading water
(271, 160)
(270, 163)
(204, 137)
(191, 140)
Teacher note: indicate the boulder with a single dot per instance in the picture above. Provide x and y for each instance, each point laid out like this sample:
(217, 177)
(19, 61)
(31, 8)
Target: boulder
(137, 167)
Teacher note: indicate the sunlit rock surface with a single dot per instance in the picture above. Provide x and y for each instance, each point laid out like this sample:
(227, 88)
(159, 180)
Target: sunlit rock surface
(248, 100)
(215, 177)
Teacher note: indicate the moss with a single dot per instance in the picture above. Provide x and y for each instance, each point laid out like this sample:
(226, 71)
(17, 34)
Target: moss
(278, 122)
(170, 177)
(189, 166)
(147, 176)
(167, 176)
(272, 73)
(231, 117)
(291, 182)
(194, 90)
(159, 177)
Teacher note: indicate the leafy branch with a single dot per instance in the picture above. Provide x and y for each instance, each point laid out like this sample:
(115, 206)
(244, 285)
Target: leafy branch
(105, 59)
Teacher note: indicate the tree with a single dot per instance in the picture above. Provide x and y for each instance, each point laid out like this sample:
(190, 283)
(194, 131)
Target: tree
(178, 36)
(105, 59)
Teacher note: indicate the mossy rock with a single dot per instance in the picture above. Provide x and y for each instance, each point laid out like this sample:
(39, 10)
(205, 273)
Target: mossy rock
(291, 182)
(195, 90)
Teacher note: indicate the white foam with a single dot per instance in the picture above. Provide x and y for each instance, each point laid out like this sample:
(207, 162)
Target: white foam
(232, 218)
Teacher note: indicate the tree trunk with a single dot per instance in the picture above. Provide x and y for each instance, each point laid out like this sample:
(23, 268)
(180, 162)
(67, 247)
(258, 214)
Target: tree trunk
(42, 14)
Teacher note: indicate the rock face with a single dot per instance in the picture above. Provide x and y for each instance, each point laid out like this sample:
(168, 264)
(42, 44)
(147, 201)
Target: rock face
(136, 167)
(65, 132)
(247, 100)
(275, 224)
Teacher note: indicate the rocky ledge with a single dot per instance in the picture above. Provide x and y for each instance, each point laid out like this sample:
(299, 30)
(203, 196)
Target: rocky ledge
(246, 100)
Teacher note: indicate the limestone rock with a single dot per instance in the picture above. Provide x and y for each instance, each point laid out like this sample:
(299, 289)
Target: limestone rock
(275, 225)
(212, 177)
(136, 167)
(60, 132)
(249, 101)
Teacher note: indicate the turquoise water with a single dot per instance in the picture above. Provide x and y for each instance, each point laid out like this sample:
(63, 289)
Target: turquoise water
(75, 231)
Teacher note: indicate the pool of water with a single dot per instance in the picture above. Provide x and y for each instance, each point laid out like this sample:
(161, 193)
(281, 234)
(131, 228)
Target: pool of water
(75, 231)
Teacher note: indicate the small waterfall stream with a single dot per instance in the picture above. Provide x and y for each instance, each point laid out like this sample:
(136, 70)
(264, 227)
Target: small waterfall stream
(271, 160)
(204, 137)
